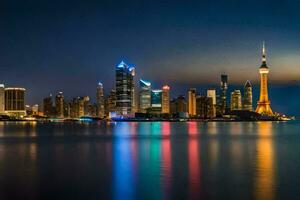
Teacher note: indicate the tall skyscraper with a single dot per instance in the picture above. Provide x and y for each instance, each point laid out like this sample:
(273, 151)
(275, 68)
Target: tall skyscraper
(212, 94)
(236, 100)
(192, 102)
(112, 101)
(165, 99)
(263, 105)
(15, 101)
(156, 101)
(247, 100)
(144, 96)
(2, 99)
(48, 106)
(124, 89)
(100, 101)
(204, 107)
(59, 105)
(223, 96)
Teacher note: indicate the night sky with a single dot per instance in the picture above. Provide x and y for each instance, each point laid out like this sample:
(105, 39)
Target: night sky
(49, 46)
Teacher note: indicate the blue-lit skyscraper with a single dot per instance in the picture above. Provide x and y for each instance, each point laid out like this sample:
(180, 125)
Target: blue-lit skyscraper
(144, 96)
(124, 89)
(156, 99)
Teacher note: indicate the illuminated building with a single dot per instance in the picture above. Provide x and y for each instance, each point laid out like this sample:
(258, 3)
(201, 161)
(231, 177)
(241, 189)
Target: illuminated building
(2, 99)
(100, 101)
(165, 99)
(236, 100)
(204, 107)
(144, 96)
(48, 106)
(79, 107)
(212, 94)
(192, 102)
(15, 101)
(247, 100)
(263, 105)
(156, 101)
(124, 89)
(224, 87)
(35, 109)
(59, 105)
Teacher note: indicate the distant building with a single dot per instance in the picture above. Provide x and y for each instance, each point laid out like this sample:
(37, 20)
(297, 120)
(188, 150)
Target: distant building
(59, 105)
(15, 101)
(79, 107)
(236, 100)
(223, 96)
(48, 108)
(192, 102)
(178, 105)
(111, 101)
(156, 101)
(124, 89)
(144, 96)
(204, 107)
(35, 109)
(2, 99)
(247, 100)
(165, 99)
(212, 94)
(100, 101)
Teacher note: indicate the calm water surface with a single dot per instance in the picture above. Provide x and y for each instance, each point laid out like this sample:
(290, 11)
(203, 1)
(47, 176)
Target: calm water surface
(143, 160)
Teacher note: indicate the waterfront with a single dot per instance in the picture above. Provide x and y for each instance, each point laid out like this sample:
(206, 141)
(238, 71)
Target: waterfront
(150, 160)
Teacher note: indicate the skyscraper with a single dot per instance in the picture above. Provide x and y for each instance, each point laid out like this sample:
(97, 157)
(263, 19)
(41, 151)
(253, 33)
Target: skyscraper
(263, 105)
(192, 102)
(236, 100)
(112, 101)
(204, 107)
(212, 94)
(15, 101)
(224, 87)
(100, 101)
(2, 100)
(124, 89)
(156, 101)
(247, 100)
(165, 99)
(144, 96)
(59, 105)
(48, 106)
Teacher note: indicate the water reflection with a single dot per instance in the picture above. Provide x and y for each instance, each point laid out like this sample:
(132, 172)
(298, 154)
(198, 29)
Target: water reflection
(264, 183)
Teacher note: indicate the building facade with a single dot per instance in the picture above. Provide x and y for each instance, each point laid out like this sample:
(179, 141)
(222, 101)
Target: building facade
(59, 105)
(263, 105)
(192, 102)
(15, 102)
(165, 99)
(204, 107)
(2, 99)
(236, 100)
(156, 101)
(223, 96)
(144, 96)
(247, 99)
(124, 89)
(100, 101)
(48, 108)
(212, 94)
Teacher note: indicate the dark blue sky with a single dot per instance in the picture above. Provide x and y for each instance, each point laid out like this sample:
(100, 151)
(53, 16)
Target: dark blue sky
(48, 46)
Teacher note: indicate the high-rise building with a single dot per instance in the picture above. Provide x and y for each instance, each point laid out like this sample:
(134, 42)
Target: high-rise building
(247, 100)
(223, 96)
(212, 94)
(204, 107)
(15, 101)
(48, 106)
(236, 100)
(79, 107)
(156, 101)
(111, 101)
(165, 99)
(178, 105)
(35, 109)
(144, 96)
(263, 105)
(59, 105)
(192, 102)
(124, 89)
(100, 101)
(2, 99)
